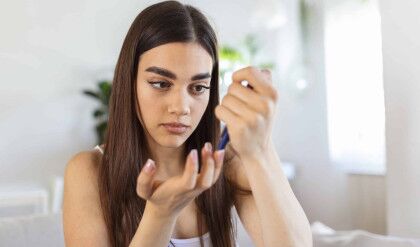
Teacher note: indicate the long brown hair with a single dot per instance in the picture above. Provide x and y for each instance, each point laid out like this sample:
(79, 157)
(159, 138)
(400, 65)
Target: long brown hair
(126, 148)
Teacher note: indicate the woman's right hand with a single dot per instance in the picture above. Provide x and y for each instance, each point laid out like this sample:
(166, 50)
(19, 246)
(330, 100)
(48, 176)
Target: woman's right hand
(169, 197)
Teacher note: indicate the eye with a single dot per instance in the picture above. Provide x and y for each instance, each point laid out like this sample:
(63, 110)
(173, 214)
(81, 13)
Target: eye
(158, 83)
(200, 89)
(161, 85)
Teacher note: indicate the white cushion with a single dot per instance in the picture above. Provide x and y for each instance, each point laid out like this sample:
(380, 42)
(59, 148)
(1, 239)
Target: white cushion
(34, 230)
(324, 236)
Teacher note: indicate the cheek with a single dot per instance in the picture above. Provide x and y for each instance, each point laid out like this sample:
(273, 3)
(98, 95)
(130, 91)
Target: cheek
(200, 107)
(148, 107)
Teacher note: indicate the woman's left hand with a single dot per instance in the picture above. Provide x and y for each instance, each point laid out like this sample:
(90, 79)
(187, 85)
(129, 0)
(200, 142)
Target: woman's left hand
(249, 114)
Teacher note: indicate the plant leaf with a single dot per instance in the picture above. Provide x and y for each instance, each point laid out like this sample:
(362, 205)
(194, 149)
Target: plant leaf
(230, 54)
(105, 91)
(267, 65)
(98, 113)
(92, 94)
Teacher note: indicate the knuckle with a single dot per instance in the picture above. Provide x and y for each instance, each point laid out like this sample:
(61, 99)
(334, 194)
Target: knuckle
(265, 105)
(225, 99)
(236, 73)
(206, 184)
(189, 185)
(140, 193)
(259, 120)
(140, 183)
(268, 71)
(216, 175)
(271, 106)
(201, 186)
(255, 70)
(231, 88)
(256, 120)
(268, 106)
(251, 69)
(217, 110)
(141, 189)
(237, 130)
(274, 94)
(241, 125)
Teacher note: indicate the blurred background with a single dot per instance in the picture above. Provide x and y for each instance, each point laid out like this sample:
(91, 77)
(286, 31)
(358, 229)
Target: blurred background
(347, 121)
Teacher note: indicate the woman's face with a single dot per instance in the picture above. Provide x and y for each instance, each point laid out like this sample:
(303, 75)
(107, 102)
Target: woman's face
(171, 83)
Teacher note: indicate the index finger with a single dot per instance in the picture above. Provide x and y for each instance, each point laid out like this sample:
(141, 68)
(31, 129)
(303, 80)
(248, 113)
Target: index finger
(257, 79)
(144, 187)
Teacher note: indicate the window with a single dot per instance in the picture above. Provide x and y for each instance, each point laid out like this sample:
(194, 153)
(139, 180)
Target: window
(355, 97)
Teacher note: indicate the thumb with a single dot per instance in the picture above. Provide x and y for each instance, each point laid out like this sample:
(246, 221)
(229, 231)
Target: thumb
(145, 180)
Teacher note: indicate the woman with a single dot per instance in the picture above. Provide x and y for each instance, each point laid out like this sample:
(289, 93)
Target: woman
(148, 185)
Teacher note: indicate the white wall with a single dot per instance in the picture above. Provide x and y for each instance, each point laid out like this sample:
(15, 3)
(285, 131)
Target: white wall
(49, 52)
(401, 51)
(302, 133)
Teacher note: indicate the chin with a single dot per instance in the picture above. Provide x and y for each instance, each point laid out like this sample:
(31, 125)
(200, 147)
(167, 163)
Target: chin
(172, 141)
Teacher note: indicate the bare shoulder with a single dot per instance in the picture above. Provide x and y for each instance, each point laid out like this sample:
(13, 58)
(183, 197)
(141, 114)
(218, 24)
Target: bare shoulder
(83, 168)
(82, 215)
(81, 172)
(85, 160)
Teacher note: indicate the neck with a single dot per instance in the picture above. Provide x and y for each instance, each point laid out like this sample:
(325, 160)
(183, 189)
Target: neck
(170, 161)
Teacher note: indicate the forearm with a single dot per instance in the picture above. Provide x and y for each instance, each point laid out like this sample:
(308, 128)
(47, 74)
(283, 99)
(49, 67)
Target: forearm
(282, 217)
(153, 230)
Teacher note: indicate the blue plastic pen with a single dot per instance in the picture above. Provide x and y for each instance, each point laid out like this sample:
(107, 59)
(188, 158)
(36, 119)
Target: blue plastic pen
(225, 135)
(224, 140)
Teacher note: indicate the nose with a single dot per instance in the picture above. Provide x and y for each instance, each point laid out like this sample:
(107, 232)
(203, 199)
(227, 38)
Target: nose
(179, 103)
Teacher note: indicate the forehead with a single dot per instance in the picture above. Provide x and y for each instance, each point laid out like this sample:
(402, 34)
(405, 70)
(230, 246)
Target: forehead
(184, 59)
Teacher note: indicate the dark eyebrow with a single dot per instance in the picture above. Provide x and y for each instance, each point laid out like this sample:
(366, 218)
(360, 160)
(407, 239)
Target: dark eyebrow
(171, 75)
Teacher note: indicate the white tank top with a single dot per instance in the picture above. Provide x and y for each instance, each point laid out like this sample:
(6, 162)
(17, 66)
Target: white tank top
(186, 242)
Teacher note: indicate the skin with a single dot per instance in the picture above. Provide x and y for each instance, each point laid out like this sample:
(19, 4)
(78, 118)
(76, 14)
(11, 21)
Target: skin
(172, 100)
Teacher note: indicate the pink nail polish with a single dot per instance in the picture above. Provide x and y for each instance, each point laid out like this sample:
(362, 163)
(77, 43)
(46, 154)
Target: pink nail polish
(149, 167)
(194, 154)
(221, 155)
(208, 147)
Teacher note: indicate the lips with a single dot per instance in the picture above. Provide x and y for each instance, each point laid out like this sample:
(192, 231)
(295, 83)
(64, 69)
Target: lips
(175, 125)
(175, 128)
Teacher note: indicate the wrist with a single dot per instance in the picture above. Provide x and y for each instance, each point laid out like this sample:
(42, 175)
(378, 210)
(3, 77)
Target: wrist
(252, 157)
(259, 152)
(159, 214)
(154, 228)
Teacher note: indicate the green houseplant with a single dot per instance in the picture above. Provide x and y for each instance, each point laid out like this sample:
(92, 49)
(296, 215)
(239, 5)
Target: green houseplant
(102, 95)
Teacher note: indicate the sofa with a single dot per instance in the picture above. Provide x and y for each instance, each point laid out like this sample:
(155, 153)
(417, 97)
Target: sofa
(47, 230)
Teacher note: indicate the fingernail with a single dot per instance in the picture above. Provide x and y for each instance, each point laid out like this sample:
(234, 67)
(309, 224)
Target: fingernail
(220, 155)
(208, 147)
(149, 167)
(194, 155)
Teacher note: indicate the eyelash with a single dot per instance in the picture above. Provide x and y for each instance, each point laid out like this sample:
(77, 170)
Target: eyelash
(160, 82)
